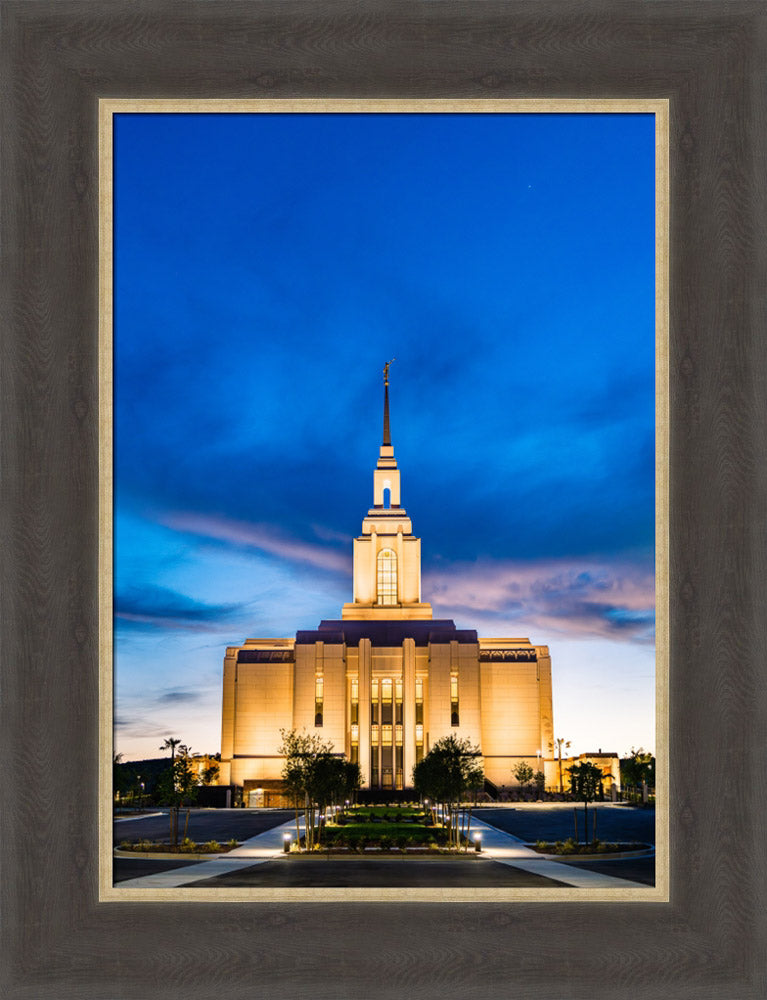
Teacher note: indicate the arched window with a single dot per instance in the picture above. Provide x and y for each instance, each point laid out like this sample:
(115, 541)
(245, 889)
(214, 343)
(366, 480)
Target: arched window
(387, 577)
(387, 497)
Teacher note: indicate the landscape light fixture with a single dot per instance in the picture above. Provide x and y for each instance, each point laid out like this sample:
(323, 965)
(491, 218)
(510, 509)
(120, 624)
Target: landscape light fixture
(286, 838)
(477, 842)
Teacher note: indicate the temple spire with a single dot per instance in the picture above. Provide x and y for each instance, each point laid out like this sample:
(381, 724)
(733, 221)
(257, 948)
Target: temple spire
(386, 431)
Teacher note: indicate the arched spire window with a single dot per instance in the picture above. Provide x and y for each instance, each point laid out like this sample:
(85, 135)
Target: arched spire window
(387, 577)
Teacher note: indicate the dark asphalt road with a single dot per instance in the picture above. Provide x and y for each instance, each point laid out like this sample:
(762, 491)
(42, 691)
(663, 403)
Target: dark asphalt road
(634, 869)
(125, 868)
(327, 872)
(614, 823)
(204, 824)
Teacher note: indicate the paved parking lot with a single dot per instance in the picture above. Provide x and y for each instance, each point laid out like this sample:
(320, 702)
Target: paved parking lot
(204, 824)
(555, 821)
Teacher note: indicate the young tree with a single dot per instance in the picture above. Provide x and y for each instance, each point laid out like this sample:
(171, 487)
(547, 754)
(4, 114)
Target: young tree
(209, 774)
(539, 778)
(447, 771)
(638, 767)
(307, 774)
(584, 784)
(523, 772)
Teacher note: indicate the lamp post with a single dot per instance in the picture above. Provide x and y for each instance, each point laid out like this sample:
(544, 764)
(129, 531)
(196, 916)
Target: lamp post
(478, 842)
(286, 839)
(138, 779)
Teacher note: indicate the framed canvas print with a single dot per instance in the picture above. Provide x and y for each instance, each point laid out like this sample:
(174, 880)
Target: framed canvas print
(513, 256)
(701, 933)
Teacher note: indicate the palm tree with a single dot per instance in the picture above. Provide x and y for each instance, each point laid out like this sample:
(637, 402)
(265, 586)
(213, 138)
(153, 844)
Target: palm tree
(557, 744)
(170, 744)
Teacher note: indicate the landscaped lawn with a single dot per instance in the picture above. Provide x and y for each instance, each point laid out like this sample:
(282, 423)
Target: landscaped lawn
(383, 826)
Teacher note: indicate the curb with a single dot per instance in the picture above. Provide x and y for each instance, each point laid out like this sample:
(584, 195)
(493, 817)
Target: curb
(166, 856)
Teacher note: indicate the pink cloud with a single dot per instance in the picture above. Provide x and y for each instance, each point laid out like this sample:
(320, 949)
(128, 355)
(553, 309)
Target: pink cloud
(264, 537)
(575, 598)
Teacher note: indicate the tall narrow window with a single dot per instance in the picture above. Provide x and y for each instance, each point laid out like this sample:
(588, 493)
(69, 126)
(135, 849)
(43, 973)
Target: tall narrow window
(387, 577)
(354, 702)
(454, 700)
(319, 698)
(419, 702)
(354, 720)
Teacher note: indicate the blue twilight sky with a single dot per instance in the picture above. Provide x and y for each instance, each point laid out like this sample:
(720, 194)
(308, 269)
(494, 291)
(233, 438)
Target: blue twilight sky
(266, 266)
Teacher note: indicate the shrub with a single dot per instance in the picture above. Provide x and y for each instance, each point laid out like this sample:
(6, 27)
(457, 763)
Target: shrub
(187, 845)
(384, 843)
(211, 846)
(233, 843)
(125, 845)
(541, 845)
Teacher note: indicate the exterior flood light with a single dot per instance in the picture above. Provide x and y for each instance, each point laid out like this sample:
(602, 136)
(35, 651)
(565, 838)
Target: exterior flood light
(286, 838)
(477, 842)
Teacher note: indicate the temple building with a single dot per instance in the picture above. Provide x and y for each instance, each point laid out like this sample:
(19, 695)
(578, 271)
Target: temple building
(387, 679)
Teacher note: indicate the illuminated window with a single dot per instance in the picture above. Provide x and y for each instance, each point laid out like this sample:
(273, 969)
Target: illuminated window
(355, 734)
(374, 734)
(398, 735)
(319, 697)
(387, 577)
(419, 703)
(386, 735)
(419, 734)
(454, 700)
(374, 701)
(355, 702)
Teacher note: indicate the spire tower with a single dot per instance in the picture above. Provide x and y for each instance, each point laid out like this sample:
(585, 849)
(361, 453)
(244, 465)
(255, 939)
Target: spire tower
(387, 555)
(386, 431)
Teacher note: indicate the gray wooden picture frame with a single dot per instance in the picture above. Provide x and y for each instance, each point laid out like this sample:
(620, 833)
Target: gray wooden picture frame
(58, 58)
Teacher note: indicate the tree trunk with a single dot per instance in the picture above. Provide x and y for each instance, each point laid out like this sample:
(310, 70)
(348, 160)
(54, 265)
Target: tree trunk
(468, 830)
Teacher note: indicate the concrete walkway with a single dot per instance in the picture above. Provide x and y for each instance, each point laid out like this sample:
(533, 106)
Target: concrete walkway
(496, 845)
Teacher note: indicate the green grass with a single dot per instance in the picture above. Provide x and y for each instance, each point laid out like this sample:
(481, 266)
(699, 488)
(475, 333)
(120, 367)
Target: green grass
(374, 833)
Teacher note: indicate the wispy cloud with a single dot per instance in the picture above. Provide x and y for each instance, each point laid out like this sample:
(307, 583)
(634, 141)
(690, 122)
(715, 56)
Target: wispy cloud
(178, 696)
(574, 598)
(264, 537)
(162, 608)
